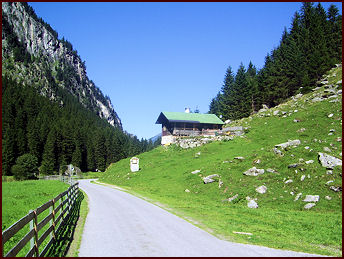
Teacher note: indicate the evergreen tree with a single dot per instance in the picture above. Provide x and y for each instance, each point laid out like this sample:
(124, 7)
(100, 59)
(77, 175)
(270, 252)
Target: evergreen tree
(226, 99)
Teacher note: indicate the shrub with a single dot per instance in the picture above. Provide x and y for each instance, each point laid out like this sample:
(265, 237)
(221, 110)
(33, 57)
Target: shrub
(26, 167)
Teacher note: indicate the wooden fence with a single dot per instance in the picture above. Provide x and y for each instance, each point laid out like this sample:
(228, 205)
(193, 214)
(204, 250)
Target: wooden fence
(60, 207)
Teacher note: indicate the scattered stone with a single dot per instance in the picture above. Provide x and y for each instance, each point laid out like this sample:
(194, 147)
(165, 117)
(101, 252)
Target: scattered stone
(220, 183)
(329, 161)
(257, 161)
(196, 171)
(270, 170)
(290, 143)
(288, 181)
(197, 154)
(296, 120)
(329, 182)
(187, 190)
(292, 193)
(311, 198)
(308, 176)
(209, 178)
(227, 121)
(330, 115)
(327, 149)
(303, 178)
(329, 172)
(243, 233)
(339, 139)
(278, 152)
(239, 158)
(307, 147)
(328, 198)
(275, 113)
(254, 171)
(252, 204)
(261, 189)
(293, 165)
(298, 196)
(317, 99)
(309, 205)
(332, 130)
(233, 198)
(309, 162)
(336, 188)
(301, 130)
(339, 82)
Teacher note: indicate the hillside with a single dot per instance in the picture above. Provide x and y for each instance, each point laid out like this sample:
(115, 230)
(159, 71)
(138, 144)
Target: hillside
(168, 176)
(32, 54)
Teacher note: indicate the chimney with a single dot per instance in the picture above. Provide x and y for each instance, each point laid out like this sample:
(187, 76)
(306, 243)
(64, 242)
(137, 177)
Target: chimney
(187, 110)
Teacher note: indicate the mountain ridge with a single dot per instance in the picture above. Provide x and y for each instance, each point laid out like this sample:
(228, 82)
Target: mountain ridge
(33, 54)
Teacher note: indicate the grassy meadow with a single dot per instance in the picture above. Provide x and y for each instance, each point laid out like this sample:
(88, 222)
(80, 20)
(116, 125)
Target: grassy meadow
(19, 197)
(280, 222)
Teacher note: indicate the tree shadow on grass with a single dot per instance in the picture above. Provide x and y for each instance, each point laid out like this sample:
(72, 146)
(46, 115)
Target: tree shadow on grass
(64, 236)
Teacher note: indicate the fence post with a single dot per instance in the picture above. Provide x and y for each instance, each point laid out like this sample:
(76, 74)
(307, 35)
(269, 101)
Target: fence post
(36, 233)
(32, 240)
(53, 220)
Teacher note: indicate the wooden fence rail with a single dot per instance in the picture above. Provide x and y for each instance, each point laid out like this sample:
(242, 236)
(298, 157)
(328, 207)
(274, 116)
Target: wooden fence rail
(60, 207)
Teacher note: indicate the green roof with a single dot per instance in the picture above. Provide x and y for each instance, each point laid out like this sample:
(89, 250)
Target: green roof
(189, 117)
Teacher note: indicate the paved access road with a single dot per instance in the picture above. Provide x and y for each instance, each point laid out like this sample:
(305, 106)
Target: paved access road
(120, 224)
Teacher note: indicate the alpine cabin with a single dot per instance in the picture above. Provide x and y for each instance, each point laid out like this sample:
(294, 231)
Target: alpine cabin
(178, 124)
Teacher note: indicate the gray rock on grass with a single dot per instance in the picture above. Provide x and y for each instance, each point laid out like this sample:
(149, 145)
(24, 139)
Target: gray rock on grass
(311, 198)
(290, 143)
(309, 205)
(254, 171)
(329, 161)
(210, 178)
(252, 204)
(261, 189)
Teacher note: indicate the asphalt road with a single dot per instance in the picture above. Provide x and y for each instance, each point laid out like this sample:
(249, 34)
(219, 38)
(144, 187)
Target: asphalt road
(120, 224)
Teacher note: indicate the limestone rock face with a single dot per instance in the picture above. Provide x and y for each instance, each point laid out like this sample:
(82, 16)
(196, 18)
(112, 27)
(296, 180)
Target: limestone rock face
(42, 43)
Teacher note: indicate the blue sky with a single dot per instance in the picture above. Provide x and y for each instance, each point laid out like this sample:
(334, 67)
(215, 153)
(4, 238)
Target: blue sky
(153, 57)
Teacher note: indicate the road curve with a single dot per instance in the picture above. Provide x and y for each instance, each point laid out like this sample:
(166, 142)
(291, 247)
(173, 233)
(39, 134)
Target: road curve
(120, 224)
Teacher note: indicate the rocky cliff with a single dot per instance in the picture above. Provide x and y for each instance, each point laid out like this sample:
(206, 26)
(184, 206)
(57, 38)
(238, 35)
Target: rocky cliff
(32, 54)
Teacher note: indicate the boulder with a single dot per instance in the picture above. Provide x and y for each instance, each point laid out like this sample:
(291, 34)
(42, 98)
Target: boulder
(329, 161)
(311, 198)
(209, 178)
(328, 198)
(290, 143)
(309, 205)
(261, 189)
(196, 171)
(254, 171)
(252, 204)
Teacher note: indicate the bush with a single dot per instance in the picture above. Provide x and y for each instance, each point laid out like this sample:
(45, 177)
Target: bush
(26, 167)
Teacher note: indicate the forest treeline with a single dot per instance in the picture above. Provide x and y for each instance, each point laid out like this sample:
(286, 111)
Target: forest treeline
(310, 48)
(58, 135)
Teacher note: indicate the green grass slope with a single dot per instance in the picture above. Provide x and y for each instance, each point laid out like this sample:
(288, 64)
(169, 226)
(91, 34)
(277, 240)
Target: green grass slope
(280, 222)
